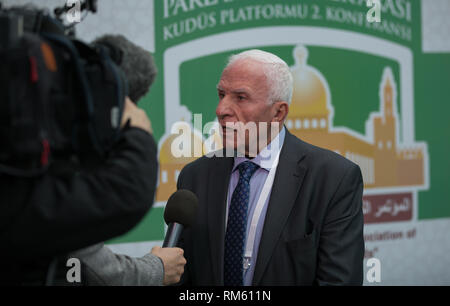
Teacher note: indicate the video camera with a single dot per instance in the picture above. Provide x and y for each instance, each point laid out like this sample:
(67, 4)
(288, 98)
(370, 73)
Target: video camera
(58, 95)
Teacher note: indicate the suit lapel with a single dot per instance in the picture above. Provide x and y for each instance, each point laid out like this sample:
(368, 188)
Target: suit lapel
(287, 183)
(218, 180)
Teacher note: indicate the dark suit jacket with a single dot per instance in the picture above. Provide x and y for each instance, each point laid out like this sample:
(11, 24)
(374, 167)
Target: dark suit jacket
(313, 230)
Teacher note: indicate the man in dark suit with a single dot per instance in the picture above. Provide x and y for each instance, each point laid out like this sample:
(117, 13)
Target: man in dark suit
(293, 219)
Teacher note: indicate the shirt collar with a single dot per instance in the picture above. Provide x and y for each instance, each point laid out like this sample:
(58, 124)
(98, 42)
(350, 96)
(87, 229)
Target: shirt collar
(266, 157)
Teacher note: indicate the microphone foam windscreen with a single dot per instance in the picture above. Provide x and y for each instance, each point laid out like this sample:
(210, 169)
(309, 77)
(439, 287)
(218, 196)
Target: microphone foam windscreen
(137, 64)
(181, 208)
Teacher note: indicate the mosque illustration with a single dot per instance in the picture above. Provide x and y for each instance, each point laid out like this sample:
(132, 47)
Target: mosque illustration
(384, 161)
(169, 165)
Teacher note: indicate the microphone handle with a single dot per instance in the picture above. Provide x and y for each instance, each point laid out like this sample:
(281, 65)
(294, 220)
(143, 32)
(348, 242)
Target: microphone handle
(172, 235)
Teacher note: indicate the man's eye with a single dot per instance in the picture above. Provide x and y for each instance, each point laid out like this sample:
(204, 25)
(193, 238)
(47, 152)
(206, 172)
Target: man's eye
(221, 95)
(240, 98)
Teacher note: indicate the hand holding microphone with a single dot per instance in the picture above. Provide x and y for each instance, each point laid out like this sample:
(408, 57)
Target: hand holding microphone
(173, 261)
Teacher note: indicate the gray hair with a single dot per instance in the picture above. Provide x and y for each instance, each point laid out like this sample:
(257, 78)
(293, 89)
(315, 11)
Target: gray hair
(278, 74)
(136, 63)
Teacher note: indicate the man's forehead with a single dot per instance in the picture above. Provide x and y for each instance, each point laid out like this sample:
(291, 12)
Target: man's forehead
(224, 87)
(247, 73)
(245, 64)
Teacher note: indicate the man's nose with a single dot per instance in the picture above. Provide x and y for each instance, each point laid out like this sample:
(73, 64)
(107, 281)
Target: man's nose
(224, 108)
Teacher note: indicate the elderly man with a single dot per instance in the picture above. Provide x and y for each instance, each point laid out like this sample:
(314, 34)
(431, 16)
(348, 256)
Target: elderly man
(292, 214)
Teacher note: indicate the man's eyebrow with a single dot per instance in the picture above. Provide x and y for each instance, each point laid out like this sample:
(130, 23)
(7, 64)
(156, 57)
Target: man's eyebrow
(240, 91)
(234, 91)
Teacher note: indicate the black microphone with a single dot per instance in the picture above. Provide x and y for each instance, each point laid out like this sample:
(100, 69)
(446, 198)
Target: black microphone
(179, 213)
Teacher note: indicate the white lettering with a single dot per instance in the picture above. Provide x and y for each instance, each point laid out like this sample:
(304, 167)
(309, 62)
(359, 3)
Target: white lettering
(374, 273)
(74, 273)
(74, 13)
(173, 7)
(374, 14)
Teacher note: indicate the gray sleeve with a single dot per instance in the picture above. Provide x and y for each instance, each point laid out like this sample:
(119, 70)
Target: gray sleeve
(102, 267)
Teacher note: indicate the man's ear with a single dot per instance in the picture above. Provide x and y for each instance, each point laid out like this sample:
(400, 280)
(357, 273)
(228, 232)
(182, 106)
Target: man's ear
(281, 109)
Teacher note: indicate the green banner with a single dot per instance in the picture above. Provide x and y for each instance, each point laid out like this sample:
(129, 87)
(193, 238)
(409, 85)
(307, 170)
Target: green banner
(363, 89)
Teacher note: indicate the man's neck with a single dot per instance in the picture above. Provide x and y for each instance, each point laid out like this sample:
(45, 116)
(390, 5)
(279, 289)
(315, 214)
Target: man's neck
(274, 134)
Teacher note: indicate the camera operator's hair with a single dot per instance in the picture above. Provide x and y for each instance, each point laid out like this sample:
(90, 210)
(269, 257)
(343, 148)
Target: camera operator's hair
(278, 74)
(136, 63)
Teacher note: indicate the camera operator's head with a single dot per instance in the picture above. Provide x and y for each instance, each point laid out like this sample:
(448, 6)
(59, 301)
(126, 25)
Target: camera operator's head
(136, 63)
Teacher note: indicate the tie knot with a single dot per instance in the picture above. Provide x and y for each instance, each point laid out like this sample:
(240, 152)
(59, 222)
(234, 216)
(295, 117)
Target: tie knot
(246, 169)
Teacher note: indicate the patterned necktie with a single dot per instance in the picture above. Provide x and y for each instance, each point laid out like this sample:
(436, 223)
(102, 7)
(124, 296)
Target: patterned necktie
(236, 226)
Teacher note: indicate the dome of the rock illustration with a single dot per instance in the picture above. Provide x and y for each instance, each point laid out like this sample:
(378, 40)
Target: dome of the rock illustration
(310, 94)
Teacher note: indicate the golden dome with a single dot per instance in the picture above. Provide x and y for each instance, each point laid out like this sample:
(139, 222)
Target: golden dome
(310, 95)
(172, 145)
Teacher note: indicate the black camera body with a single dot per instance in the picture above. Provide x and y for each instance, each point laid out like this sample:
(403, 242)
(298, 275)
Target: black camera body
(58, 95)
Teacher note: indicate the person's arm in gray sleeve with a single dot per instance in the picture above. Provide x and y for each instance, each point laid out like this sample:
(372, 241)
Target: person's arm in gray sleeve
(102, 267)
